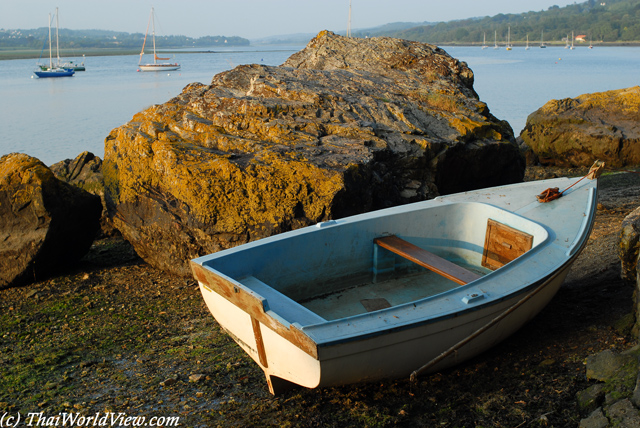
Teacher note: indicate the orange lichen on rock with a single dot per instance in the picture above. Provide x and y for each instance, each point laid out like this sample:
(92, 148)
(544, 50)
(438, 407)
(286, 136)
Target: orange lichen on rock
(340, 128)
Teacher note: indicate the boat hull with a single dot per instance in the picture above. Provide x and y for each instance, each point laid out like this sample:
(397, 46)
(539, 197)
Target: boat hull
(158, 67)
(301, 340)
(55, 73)
(390, 354)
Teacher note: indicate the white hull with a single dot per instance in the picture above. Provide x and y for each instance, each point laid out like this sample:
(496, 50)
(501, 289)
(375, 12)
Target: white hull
(389, 356)
(158, 67)
(313, 344)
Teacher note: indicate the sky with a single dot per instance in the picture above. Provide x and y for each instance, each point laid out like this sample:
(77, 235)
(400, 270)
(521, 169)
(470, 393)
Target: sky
(251, 19)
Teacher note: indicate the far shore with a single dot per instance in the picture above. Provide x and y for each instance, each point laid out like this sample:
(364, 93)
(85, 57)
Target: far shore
(9, 54)
(74, 54)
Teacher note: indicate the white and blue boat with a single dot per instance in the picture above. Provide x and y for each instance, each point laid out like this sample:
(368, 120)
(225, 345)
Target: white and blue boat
(55, 72)
(400, 291)
(52, 70)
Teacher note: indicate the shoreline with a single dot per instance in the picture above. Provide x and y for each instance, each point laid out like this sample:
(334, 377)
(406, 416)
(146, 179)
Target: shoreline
(15, 54)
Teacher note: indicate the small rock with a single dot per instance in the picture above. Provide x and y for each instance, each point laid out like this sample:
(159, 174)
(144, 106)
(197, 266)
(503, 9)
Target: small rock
(591, 398)
(595, 420)
(624, 414)
(635, 398)
(547, 362)
(604, 365)
(196, 377)
(169, 382)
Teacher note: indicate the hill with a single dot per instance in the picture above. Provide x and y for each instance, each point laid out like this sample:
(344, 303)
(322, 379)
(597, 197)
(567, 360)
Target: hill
(103, 39)
(612, 21)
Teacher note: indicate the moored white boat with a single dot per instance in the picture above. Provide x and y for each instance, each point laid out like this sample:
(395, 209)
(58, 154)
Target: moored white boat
(155, 66)
(335, 304)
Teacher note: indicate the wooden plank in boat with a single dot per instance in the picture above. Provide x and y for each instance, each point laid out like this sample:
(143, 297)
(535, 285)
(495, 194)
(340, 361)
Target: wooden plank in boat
(503, 244)
(426, 259)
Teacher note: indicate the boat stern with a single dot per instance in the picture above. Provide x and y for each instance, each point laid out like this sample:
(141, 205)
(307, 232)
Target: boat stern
(283, 351)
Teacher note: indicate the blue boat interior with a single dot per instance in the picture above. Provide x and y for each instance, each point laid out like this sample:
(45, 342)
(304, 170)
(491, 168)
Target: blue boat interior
(339, 270)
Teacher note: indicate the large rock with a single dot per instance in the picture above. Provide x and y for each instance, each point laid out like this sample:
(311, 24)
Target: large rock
(85, 172)
(45, 224)
(629, 245)
(629, 254)
(342, 127)
(577, 131)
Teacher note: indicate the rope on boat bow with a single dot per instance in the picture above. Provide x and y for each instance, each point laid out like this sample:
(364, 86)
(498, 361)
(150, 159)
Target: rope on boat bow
(554, 193)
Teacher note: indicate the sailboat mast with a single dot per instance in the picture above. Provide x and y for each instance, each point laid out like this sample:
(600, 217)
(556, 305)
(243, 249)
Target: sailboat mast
(153, 33)
(57, 39)
(349, 22)
(145, 37)
(50, 59)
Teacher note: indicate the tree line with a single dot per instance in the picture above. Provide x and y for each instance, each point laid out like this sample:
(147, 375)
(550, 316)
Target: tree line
(599, 21)
(88, 39)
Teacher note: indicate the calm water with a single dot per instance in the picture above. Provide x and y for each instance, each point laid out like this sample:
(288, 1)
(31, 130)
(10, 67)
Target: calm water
(56, 119)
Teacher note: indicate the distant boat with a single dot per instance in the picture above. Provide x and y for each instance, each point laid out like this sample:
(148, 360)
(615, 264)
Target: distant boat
(572, 39)
(74, 66)
(52, 70)
(484, 41)
(542, 45)
(509, 47)
(527, 46)
(155, 66)
(495, 40)
(401, 291)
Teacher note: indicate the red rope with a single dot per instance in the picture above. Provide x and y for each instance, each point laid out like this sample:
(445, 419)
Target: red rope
(553, 193)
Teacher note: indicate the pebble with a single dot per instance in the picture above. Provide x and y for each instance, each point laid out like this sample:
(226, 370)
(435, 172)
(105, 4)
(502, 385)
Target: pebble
(196, 377)
(169, 382)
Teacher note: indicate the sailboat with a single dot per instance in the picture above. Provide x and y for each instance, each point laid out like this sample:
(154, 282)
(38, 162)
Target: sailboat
(495, 40)
(509, 40)
(53, 70)
(75, 66)
(542, 45)
(572, 39)
(527, 46)
(484, 41)
(155, 66)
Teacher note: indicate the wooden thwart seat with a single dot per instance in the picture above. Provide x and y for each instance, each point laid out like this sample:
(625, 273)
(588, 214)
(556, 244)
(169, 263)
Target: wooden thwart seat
(426, 259)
